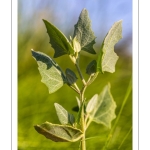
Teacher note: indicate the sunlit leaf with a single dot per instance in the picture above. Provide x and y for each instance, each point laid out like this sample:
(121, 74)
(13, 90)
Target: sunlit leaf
(52, 76)
(59, 133)
(92, 104)
(107, 57)
(64, 116)
(104, 111)
(58, 40)
(84, 33)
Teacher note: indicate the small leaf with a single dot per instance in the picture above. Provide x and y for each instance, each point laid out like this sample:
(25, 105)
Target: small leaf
(64, 116)
(58, 40)
(59, 133)
(107, 57)
(84, 33)
(91, 68)
(104, 112)
(71, 76)
(92, 104)
(75, 108)
(51, 73)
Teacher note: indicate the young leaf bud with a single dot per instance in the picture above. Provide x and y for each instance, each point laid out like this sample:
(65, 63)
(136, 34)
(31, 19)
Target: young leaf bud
(76, 45)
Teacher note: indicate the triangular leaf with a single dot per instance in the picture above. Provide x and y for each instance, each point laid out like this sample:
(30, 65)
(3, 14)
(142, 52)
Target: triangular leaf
(107, 57)
(64, 116)
(52, 76)
(84, 33)
(58, 40)
(104, 111)
(92, 104)
(59, 133)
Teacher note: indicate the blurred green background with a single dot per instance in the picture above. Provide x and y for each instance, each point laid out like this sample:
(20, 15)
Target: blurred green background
(35, 104)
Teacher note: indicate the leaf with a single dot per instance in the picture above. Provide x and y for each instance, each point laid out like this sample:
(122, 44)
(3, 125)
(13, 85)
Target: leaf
(91, 68)
(59, 133)
(58, 40)
(107, 57)
(104, 111)
(84, 33)
(52, 76)
(71, 76)
(64, 116)
(92, 104)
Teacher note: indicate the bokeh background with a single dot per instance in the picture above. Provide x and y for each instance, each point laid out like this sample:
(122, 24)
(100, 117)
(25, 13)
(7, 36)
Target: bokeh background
(35, 104)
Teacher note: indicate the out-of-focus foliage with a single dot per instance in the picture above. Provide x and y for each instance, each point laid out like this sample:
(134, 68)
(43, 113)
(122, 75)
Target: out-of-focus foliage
(36, 105)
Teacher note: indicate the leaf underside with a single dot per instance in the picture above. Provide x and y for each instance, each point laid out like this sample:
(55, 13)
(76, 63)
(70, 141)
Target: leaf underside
(64, 116)
(59, 133)
(104, 111)
(107, 58)
(58, 40)
(84, 33)
(51, 74)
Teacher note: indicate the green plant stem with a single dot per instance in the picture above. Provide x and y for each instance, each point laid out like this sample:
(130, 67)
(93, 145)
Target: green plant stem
(118, 117)
(83, 127)
(92, 78)
(75, 89)
(80, 74)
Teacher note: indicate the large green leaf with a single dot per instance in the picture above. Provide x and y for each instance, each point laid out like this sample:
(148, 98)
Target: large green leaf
(59, 133)
(104, 111)
(83, 32)
(107, 57)
(51, 73)
(64, 116)
(58, 40)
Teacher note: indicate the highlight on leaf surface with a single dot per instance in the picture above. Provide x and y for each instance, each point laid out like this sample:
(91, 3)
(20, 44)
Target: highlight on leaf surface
(51, 73)
(64, 116)
(58, 40)
(84, 33)
(92, 104)
(104, 107)
(107, 57)
(59, 133)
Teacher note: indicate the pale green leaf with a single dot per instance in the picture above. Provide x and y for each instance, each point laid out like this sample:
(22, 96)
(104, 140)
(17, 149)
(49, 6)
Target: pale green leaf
(92, 104)
(51, 73)
(104, 111)
(84, 33)
(59, 133)
(58, 40)
(107, 57)
(64, 116)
